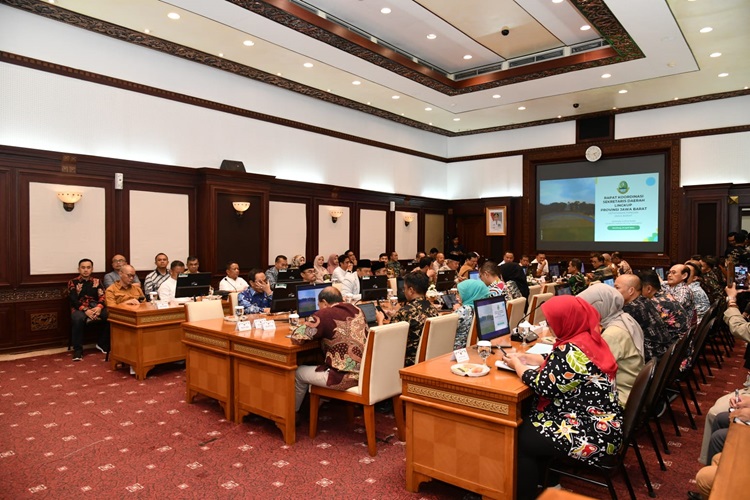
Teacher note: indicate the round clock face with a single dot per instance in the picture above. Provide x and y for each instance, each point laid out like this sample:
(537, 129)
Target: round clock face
(593, 153)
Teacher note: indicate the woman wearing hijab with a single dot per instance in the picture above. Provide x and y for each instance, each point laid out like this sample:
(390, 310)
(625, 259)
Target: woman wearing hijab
(515, 278)
(621, 332)
(575, 411)
(320, 269)
(333, 263)
(469, 291)
(297, 261)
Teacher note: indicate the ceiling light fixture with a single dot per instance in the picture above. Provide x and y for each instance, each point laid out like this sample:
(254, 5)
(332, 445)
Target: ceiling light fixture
(467, 56)
(385, 10)
(715, 54)
(585, 27)
(431, 36)
(606, 75)
(496, 96)
(428, 109)
(622, 91)
(521, 108)
(557, 1)
(308, 65)
(457, 119)
(248, 43)
(173, 15)
(707, 29)
(396, 97)
(356, 82)
(559, 116)
(722, 75)
(147, 31)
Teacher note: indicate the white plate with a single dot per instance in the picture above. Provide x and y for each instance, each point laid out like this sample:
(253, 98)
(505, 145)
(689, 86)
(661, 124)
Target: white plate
(233, 319)
(464, 369)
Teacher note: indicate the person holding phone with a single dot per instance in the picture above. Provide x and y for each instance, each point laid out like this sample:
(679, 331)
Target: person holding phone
(125, 291)
(733, 317)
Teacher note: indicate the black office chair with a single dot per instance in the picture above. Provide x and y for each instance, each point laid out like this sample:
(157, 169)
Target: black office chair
(608, 468)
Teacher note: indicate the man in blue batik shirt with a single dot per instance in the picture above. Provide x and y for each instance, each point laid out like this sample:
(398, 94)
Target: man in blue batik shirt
(256, 298)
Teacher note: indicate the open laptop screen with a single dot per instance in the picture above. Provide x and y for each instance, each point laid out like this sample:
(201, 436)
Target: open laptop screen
(284, 297)
(492, 318)
(192, 285)
(307, 298)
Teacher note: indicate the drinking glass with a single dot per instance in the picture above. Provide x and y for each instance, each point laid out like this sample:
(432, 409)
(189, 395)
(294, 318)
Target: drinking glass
(238, 312)
(293, 320)
(484, 349)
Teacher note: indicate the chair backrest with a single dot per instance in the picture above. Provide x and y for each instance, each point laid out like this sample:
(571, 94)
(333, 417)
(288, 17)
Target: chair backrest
(549, 288)
(438, 336)
(536, 311)
(234, 300)
(516, 309)
(699, 340)
(533, 290)
(205, 309)
(636, 399)
(393, 285)
(660, 375)
(680, 351)
(385, 350)
(338, 286)
(471, 338)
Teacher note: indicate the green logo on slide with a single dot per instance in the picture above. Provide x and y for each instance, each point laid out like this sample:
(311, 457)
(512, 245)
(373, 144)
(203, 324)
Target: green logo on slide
(623, 187)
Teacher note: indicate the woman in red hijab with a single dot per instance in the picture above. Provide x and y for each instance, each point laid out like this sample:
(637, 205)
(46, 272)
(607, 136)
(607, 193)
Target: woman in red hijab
(575, 411)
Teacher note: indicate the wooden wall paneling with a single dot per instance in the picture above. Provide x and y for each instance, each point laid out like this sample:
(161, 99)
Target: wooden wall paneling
(42, 322)
(8, 224)
(7, 324)
(705, 211)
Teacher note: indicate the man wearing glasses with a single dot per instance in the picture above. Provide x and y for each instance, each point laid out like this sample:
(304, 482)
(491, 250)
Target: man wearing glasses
(117, 262)
(256, 298)
(125, 290)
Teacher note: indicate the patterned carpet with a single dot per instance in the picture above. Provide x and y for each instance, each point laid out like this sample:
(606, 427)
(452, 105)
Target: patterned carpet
(80, 430)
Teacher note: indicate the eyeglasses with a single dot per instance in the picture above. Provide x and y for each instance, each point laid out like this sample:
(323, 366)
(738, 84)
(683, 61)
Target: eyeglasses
(119, 260)
(131, 276)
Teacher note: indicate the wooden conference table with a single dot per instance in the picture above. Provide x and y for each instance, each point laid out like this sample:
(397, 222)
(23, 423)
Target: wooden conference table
(143, 336)
(462, 430)
(247, 372)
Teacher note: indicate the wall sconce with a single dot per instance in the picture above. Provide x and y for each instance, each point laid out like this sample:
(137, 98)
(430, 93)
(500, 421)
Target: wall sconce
(335, 214)
(408, 219)
(69, 200)
(240, 207)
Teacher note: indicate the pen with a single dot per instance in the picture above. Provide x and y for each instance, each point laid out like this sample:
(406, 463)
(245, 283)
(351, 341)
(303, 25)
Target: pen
(737, 395)
(503, 351)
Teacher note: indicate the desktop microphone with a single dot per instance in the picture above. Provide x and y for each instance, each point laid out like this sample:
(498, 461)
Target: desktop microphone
(528, 314)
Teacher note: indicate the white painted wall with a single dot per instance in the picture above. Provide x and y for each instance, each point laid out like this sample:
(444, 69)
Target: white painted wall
(333, 237)
(372, 225)
(159, 223)
(715, 159)
(287, 230)
(59, 239)
(406, 236)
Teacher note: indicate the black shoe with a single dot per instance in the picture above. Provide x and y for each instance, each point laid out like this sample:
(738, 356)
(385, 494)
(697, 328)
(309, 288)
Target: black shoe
(78, 355)
(385, 406)
(694, 496)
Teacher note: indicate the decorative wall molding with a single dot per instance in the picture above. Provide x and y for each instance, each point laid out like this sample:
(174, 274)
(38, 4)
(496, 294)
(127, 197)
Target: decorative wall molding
(33, 294)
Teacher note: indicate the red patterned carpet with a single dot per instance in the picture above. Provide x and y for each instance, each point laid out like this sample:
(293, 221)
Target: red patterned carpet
(80, 430)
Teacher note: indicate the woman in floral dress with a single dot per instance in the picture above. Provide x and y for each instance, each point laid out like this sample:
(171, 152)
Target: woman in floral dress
(575, 411)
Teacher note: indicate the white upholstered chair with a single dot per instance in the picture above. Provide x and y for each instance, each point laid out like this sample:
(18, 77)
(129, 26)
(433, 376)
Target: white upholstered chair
(385, 350)
(550, 288)
(393, 284)
(516, 309)
(536, 311)
(437, 337)
(205, 309)
(233, 300)
(533, 290)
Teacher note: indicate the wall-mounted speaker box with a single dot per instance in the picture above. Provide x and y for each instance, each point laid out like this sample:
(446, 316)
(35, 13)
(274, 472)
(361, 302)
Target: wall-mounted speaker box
(233, 166)
(597, 128)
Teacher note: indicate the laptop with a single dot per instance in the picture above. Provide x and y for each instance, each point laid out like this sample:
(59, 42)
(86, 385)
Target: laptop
(373, 287)
(289, 276)
(369, 310)
(563, 289)
(492, 318)
(445, 280)
(284, 297)
(473, 275)
(554, 270)
(307, 298)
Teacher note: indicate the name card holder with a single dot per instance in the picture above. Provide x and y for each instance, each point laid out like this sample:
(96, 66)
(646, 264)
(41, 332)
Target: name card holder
(460, 355)
(244, 326)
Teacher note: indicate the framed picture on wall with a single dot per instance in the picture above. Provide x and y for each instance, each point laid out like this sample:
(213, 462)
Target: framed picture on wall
(496, 221)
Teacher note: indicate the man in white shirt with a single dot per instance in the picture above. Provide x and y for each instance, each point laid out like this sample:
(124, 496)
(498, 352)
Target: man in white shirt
(507, 257)
(342, 271)
(350, 283)
(168, 288)
(155, 278)
(232, 282)
(542, 268)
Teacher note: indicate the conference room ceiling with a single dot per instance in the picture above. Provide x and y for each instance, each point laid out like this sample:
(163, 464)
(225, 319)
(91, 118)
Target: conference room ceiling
(412, 64)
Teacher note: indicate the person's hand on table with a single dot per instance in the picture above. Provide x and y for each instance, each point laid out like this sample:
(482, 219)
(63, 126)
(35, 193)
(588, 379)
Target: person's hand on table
(380, 316)
(132, 302)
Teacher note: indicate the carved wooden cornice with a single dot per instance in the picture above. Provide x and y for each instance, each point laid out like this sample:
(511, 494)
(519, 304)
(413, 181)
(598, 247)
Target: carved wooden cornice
(33, 294)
